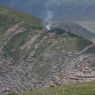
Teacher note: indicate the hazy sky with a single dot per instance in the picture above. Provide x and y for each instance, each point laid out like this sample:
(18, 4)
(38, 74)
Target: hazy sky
(63, 9)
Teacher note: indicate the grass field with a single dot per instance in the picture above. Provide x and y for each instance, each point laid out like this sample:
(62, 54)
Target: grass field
(73, 89)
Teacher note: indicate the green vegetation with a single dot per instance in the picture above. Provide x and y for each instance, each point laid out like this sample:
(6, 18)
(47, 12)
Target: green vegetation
(70, 43)
(73, 89)
(18, 15)
(13, 49)
(21, 36)
(9, 19)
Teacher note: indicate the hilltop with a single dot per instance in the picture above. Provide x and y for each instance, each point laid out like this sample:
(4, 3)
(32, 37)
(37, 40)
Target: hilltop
(32, 58)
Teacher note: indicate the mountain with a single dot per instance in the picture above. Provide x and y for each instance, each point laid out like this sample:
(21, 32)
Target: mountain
(69, 9)
(32, 58)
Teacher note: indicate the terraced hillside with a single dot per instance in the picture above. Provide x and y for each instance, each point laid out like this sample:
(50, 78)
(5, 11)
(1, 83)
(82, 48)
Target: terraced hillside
(31, 58)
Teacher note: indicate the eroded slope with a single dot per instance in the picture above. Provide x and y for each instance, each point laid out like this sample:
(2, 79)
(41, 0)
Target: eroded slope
(32, 58)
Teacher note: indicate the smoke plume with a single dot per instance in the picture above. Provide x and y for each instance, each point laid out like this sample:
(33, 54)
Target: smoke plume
(48, 15)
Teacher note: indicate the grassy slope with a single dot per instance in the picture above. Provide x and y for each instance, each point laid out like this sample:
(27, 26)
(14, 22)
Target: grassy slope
(12, 48)
(32, 25)
(18, 15)
(9, 18)
(87, 88)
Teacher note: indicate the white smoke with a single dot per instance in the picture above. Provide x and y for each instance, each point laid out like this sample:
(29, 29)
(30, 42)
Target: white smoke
(49, 12)
(48, 26)
(48, 19)
(49, 15)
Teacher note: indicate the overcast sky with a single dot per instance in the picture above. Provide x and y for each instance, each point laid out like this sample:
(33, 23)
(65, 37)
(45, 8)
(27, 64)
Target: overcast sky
(63, 9)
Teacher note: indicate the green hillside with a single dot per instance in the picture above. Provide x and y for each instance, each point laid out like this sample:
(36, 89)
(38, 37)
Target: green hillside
(17, 28)
(31, 58)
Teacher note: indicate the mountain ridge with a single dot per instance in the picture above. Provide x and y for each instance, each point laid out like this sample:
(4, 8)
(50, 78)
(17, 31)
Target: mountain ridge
(32, 58)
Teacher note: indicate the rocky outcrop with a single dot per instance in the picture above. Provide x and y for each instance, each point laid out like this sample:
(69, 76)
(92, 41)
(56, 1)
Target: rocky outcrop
(56, 68)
